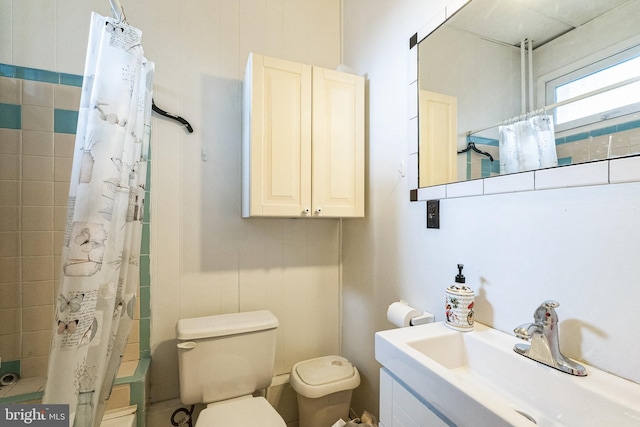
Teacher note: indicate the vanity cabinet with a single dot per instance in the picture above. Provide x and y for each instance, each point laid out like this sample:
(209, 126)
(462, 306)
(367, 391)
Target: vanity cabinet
(399, 407)
(302, 141)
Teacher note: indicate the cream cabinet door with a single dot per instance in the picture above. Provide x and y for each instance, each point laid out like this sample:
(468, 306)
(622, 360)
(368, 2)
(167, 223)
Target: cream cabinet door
(302, 141)
(276, 138)
(438, 139)
(337, 144)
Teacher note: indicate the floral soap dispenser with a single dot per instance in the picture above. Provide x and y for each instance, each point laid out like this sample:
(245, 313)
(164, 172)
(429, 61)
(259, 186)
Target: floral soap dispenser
(459, 304)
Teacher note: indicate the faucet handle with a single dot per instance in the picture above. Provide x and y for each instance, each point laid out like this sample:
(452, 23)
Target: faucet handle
(546, 313)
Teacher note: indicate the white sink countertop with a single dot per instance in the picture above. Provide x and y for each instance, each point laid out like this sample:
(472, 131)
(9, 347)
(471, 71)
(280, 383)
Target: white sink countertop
(476, 379)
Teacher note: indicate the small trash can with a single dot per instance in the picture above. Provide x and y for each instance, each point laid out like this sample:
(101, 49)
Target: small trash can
(324, 386)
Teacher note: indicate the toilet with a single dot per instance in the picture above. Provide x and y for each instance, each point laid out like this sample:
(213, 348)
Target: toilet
(222, 361)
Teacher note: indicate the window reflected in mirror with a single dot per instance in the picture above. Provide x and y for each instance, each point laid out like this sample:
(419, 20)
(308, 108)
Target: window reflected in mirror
(535, 87)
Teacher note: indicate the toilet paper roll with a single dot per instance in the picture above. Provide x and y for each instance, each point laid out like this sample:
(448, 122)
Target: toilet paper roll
(400, 314)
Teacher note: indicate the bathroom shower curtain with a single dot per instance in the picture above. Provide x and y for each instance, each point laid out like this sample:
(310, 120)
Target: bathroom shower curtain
(527, 145)
(96, 294)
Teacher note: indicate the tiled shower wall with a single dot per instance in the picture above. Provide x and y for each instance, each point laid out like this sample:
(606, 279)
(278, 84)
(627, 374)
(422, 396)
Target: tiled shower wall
(597, 144)
(38, 116)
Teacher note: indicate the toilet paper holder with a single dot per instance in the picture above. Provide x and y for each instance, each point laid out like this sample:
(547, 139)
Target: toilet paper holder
(402, 314)
(424, 318)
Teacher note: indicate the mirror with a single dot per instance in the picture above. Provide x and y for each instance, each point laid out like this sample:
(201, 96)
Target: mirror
(473, 77)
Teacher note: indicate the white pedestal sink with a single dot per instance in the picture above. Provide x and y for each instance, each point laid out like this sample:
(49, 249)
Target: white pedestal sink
(476, 379)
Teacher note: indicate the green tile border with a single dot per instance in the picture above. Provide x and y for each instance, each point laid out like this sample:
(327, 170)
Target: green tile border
(71, 80)
(628, 126)
(35, 74)
(603, 131)
(10, 116)
(10, 366)
(633, 124)
(145, 335)
(65, 121)
(145, 277)
(27, 397)
(139, 375)
(138, 385)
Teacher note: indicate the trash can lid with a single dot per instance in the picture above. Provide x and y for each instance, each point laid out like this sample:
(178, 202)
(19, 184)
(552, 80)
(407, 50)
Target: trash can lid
(324, 375)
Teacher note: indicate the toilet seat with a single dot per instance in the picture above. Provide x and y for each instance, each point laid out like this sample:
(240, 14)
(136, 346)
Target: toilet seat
(255, 411)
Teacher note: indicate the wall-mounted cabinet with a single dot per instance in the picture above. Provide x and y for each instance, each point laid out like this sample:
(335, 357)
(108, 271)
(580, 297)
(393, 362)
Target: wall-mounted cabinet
(302, 141)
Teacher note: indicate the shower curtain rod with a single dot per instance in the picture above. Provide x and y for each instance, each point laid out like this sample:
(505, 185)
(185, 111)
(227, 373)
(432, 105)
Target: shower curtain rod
(544, 109)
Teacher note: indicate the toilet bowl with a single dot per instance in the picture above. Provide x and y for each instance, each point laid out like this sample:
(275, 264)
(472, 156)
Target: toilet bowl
(244, 411)
(222, 361)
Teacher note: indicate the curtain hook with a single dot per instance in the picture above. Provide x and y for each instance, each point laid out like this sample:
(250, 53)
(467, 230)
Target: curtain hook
(123, 16)
(117, 10)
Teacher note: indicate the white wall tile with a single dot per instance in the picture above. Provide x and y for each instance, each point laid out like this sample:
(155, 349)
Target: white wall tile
(412, 65)
(624, 170)
(510, 183)
(576, 175)
(411, 168)
(433, 22)
(412, 99)
(465, 188)
(432, 193)
(412, 135)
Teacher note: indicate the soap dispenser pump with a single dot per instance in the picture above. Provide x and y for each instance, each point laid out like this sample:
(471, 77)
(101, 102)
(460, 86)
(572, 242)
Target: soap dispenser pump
(459, 304)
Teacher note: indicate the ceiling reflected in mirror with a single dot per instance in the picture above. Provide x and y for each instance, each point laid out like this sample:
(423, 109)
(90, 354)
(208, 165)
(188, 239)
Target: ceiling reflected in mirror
(495, 65)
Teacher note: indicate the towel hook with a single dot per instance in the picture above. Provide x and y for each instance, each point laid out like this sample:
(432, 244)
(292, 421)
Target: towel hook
(472, 146)
(160, 111)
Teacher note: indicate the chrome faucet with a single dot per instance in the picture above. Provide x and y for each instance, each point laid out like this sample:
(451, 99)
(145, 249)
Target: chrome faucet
(545, 346)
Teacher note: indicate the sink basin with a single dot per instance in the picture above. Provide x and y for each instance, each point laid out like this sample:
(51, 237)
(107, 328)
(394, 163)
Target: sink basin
(476, 379)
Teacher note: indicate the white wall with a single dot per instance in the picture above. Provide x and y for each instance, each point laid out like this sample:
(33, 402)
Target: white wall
(205, 258)
(487, 90)
(578, 246)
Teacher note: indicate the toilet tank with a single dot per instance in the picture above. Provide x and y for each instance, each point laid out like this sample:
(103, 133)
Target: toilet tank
(225, 356)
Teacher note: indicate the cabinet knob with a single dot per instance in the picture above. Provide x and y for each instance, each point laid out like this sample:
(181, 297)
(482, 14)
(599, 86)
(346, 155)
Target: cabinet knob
(318, 210)
(306, 210)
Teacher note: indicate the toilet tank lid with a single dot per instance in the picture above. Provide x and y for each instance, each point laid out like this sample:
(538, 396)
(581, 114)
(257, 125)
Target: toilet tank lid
(225, 324)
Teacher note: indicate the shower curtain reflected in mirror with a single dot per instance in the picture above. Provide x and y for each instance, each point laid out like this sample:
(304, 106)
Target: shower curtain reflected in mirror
(96, 295)
(527, 145)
